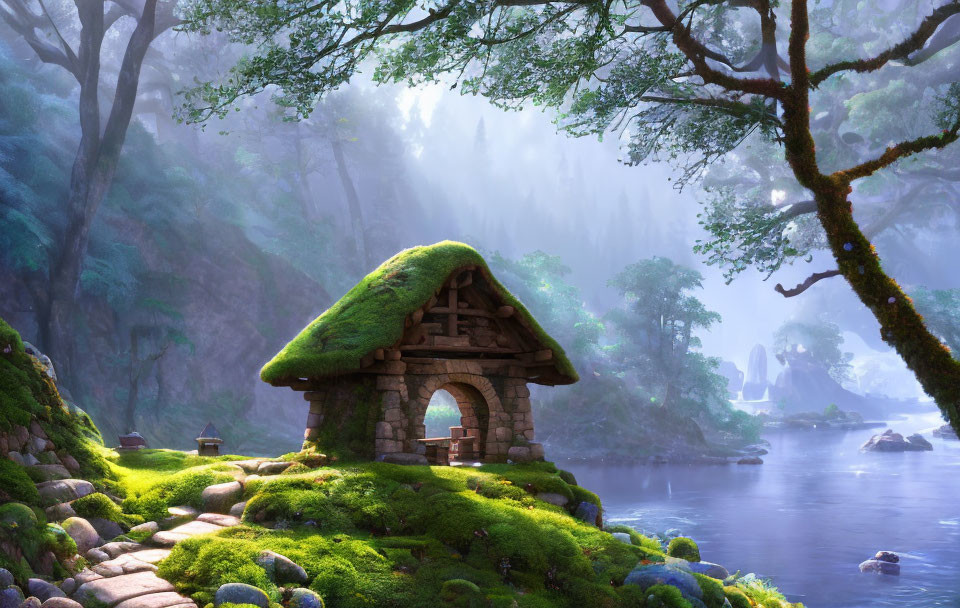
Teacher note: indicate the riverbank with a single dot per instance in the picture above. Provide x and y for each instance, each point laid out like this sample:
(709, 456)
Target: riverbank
(812, 512)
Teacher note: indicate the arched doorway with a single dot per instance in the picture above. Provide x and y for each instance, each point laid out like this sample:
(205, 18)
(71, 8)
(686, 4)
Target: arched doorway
(471, 413)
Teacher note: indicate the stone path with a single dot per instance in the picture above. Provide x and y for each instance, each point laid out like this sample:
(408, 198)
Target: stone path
(128, 579)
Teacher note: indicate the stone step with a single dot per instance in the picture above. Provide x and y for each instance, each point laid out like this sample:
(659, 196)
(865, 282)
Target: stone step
(166, 599)
(108, 592)
(204, 524)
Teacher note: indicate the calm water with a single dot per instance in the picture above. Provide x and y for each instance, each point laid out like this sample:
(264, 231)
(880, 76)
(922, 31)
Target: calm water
(809, 515)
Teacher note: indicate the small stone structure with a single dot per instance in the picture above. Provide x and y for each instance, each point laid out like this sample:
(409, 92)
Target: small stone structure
(132, 441)
(208, 443)
(468, 336)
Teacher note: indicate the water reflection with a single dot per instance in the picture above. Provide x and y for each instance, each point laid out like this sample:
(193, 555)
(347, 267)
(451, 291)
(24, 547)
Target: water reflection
(810, 514)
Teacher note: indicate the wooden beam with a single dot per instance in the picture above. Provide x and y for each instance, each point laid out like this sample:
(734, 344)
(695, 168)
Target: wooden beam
(467, 280)
(451, 340)
(462, 349)
(469, 312)
(378, 354)
(392, 355)
(505, 311)
(543, 355)
(417, 316)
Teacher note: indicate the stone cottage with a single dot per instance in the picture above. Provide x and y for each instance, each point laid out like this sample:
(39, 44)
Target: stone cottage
(429, 318)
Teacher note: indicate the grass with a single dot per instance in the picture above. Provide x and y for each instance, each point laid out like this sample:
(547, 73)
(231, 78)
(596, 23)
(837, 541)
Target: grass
(371, 315)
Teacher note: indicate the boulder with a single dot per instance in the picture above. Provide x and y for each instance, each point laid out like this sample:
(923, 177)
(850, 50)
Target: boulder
(31, 602)
(240, 593)
(665, 574)
(11, 597)
(165, 599)
(106, 528)
(220, 497)
(248, 466)
(280, 568)
(709, 569)
(519, 453)
(64, 490)
(61, 602)
(179, 515)
(238, 509)
(876, 566)
(553, 498)
(48, 472)
(622, 537)
(150, 527)
(28, 461)
(96, 556)
(16, 457)
(889, 441)
(273, 468)
(218, 519)
(6, 579)
(945, 432)
(887, 556)
(42, 590)
(305, 598)
(115, 549)
(82, 533)
(60, 512)
(68, 586)
(405, 458)
(588, 512)
(70, 462)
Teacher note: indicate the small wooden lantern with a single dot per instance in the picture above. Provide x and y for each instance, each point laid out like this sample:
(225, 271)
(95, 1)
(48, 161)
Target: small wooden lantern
(208, 443)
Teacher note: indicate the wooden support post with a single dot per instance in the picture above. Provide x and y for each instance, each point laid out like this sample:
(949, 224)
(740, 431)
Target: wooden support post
(452, 305)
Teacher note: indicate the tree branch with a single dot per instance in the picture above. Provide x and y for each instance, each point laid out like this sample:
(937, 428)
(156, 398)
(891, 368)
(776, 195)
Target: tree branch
(902, 50)
(802, 287)
(895, 153)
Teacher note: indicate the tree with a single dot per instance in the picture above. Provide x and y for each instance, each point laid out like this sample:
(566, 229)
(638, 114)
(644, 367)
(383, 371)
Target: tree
(95, 163)
(821, 339)
(656, 334)
(690, 85)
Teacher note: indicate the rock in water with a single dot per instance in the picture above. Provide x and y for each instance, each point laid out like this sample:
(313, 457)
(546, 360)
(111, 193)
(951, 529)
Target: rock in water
(889, 441)
(240, 593)
(945, 432)
(755, 384)
(876, 566)
(887, 556)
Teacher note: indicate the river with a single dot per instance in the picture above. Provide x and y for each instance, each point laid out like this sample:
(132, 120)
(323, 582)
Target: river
(810, 514)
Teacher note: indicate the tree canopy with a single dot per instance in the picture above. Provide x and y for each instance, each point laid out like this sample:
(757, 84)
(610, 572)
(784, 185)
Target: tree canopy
(690, 84)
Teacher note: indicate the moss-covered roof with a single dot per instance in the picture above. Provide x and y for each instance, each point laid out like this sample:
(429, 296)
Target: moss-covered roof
(372, 314)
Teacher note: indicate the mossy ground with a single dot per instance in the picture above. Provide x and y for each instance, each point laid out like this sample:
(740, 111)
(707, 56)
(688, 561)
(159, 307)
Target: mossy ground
(374, 534)
(371, 315)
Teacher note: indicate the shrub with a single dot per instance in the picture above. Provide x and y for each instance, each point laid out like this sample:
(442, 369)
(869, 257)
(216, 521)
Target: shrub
(15, 482)
(460, 592)
(713, 595)
(568, 477)
(684, 548)
(665, 596)
(737, 598)
(636, 539)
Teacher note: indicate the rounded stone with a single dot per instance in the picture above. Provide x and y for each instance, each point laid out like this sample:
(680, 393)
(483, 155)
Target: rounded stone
(876, 566)
(6, 579)
(305, 598)
(280, 568)
(83, 533)
(68, 586)
(61, 602)
(31, 602)
(42, 590)
(241, 593)
(11, 597)
(238, 509)
(660, 574)
(220, 497)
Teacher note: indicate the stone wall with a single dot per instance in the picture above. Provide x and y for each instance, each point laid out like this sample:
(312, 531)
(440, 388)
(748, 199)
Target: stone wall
(391, 403)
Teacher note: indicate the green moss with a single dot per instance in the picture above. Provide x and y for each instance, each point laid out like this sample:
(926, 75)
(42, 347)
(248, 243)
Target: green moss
(371, 315)
(100, 505)
(27, 395)
(182, 488)
(737, 598)
(637, 539)
(460, 592)
(16, 483)
(568, 477)
(58, 541)
(665, 596)
(713, 595)
(22, 527)
(684, 548)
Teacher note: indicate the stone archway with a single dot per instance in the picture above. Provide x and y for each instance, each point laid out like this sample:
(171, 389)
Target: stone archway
(481, 412)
